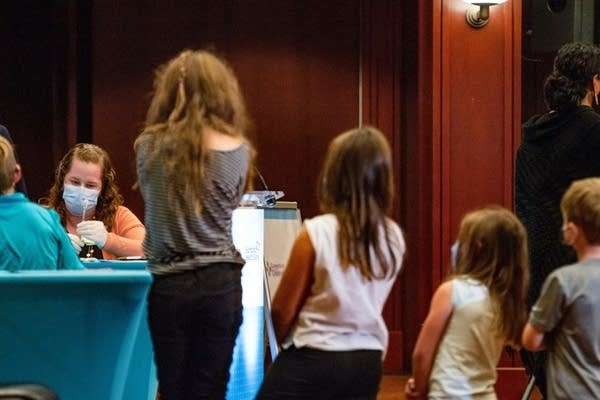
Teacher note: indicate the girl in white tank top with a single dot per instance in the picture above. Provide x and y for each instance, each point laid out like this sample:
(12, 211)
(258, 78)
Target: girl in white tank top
(478, 310)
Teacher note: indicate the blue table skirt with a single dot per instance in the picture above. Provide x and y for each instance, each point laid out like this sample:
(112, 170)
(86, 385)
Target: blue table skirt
(75, 331)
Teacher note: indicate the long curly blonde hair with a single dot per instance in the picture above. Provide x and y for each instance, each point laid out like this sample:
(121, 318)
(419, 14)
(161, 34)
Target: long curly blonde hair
(109, 198)
(193, 91)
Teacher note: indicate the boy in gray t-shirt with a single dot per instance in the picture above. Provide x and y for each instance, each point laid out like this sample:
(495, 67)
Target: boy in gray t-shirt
(565, 320)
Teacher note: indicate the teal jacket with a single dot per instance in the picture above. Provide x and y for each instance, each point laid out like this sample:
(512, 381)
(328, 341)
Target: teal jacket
(32, 237)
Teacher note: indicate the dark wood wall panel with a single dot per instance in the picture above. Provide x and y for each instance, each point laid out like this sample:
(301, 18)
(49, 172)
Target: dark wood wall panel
(297, 64)
(27, 86)
(383, 96)
(422, 128)
(474, 89)
(300, 71)
(126, 50)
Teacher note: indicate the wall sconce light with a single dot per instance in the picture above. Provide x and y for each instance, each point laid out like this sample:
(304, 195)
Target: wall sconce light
(477, 18)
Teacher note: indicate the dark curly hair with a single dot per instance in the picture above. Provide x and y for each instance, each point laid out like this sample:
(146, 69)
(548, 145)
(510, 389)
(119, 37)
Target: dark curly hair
(575, 65)
(108, 200)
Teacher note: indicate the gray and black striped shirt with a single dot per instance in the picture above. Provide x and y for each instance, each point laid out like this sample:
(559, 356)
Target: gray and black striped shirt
(177, 241)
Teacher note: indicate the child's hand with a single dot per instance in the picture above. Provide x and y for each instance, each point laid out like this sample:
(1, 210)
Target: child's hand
(410, 390)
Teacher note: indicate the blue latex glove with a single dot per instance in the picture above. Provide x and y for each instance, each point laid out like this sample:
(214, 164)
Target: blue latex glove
(94, 231)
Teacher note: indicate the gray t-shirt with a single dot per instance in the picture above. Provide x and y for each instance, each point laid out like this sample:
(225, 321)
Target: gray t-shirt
(177, 241)
(568, 312)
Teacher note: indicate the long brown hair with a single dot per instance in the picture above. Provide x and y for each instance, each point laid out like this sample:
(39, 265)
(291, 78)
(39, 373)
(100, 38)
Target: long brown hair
(356, 185)
(493, 250)
(192, 91)
(109, 198)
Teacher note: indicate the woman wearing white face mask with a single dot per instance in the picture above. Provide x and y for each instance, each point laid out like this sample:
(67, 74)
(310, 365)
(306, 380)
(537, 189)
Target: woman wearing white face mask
(87, 199)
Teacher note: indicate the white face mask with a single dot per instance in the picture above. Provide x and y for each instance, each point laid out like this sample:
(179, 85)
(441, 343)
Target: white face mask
(79, 199)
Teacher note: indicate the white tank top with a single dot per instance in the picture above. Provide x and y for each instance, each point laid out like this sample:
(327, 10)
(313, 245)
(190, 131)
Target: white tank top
(343, 309)
(466, 359)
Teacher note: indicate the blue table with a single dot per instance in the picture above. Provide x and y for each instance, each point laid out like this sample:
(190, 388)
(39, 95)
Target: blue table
(85, 334)
(75, 331)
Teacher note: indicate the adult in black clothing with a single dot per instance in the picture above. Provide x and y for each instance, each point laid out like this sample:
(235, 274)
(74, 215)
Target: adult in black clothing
(557, 148)
(20, 187)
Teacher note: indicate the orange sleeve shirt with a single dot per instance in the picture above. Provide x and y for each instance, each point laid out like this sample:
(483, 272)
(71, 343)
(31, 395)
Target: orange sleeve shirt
(126, 236)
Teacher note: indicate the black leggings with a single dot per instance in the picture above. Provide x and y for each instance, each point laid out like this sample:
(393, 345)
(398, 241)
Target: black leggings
(194, 318)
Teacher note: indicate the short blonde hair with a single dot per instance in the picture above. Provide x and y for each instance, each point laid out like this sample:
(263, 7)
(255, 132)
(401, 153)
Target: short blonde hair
(8, 163)
(581, 205)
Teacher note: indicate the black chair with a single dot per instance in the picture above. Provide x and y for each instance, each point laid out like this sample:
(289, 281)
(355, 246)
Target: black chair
(26, 391)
